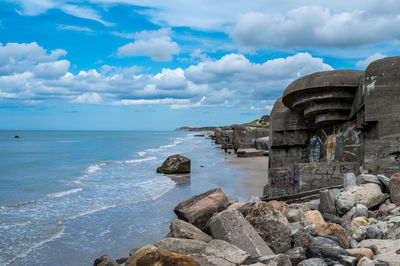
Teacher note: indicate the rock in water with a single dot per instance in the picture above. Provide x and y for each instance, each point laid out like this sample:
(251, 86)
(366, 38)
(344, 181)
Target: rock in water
(200, 208)
(394, 187)
(105, 260)
(175, 164)
(272, 226)
(231, 226)
(182, 229)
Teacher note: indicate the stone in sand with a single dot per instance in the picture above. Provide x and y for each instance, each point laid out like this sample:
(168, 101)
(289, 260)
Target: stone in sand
(387, 250)
(200, 208)
(175, 164)
(231, 226)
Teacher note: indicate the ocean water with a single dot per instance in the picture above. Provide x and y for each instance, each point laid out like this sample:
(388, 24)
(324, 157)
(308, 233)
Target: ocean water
(68, 197)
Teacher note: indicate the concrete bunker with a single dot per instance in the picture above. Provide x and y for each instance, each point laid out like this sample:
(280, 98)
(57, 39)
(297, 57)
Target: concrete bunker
(333, 122)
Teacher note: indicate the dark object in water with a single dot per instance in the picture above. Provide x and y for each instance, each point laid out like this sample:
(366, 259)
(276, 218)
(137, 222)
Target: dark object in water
(16, 137)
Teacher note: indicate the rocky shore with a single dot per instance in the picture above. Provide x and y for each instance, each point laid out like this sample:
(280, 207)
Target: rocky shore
(357, 225)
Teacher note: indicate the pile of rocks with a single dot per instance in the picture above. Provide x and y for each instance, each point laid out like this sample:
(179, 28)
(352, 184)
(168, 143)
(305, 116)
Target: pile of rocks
(358, 225)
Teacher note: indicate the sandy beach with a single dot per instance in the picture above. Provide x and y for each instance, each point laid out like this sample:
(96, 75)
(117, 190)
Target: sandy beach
(253, 171)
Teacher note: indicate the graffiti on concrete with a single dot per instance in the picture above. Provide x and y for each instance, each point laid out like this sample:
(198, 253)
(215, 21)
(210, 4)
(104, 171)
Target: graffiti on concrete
(339, 145)
(287, 181)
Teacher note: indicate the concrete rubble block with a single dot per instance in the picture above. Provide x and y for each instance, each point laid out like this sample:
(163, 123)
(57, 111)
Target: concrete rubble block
(261, 143)
(181, 246)
(105, 260)
(200, 208)
(231, 226)
(387, 250)
(175, 164)
(394, 187)
(313, 204)
(272, 260)
(296, 211)
(314, 217)
(329, 251)
(336, 230)
(364, 261)
(327, 200)
(313, 262)
(349, 180)
(344, 202)
(150, 255)
(296, 255)
(226, 252)
(182, 229)
(369, 194)
(272, 226)
(361, 252)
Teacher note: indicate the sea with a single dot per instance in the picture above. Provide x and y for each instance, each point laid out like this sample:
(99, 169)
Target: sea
(68, 197)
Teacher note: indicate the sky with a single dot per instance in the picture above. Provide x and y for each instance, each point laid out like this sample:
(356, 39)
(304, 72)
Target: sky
(158, 65)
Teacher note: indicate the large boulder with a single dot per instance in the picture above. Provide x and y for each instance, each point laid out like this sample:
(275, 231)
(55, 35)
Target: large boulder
(366, 178)
(181, 246)
(329, 251)
(182, 229)
(271, 225)
(369, 194)
(261, 143)
(150, 255)
(243, 207)
(175, 164)
(221, 252)
(200, 208)
(394, 187)
(344, 202)
(272, 260)
(231, 226)
(387, 250)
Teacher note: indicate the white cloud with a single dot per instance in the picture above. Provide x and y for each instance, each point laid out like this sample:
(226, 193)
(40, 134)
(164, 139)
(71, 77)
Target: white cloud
(156, 44)
(74, 28)
(29, 72)
(84, 12)
(314, 26)
(364, 63)
(89, 98)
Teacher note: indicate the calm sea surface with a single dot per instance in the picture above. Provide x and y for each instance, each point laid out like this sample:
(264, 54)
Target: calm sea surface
(67, 197)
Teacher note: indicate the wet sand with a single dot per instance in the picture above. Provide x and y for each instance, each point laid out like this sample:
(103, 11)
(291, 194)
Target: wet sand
(253, 171)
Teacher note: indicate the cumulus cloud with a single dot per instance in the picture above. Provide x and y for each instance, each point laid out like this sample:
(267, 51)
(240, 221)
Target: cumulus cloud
(364, 63)
(156, 44)
(29, 72)
(89, 98)
(315, 26)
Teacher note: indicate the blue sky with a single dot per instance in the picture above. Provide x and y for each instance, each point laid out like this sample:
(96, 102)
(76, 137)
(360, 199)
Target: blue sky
(158, 65)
